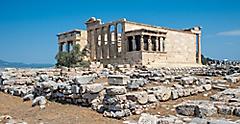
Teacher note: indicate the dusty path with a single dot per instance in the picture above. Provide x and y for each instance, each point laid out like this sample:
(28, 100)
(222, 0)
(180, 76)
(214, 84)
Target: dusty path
(54, 113)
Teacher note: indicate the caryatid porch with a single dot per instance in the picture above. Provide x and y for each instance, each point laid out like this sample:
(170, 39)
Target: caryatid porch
(146, 40)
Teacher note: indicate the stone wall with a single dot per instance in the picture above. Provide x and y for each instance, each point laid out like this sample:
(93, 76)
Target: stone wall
(134, 57)
(180, 47)
(83, 40)
(154, 59)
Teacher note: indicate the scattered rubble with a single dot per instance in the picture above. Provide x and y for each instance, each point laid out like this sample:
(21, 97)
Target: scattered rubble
(196, 108)
(127, 91)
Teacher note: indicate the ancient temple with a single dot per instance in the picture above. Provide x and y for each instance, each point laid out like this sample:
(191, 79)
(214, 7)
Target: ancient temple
(66, 40)
(126, 42)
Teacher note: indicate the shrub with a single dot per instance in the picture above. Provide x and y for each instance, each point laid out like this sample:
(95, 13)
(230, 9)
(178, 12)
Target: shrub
(74, 58)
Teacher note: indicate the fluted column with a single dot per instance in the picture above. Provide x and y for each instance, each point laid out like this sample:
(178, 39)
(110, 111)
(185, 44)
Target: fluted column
(91, 41)
(109, 42)
(142, 43)
(149, 44)
(96, 37)
(102, 44)
(123, 41)
(116, 41)
(96, 43)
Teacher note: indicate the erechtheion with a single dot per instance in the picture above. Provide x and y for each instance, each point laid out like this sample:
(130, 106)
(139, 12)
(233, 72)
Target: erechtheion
(126, 42)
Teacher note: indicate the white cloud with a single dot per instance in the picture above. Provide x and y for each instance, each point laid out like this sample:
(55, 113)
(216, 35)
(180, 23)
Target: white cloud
(230, 33)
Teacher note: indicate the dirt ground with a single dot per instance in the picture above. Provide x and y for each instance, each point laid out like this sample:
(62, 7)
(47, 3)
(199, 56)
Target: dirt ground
(54, 113)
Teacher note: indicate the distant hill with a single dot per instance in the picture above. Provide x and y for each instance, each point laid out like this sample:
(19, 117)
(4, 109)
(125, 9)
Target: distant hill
(5, 64)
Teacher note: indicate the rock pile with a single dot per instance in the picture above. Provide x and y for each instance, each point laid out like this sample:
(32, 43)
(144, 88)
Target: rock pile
(196, 108)
(226, 102)
(125, 91)
(147, 118)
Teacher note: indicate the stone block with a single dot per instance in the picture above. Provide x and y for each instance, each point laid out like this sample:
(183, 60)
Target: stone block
(237, 111)
(92, 88)
(86, 79)
(147, 119)
(152, 98)
(197, 108)
(40, 100)
(224, 109)
(207, 87)
(116, 90)
(174, 94)
(75, 89)
(135, 83)
(118, 80)
(140, 97)
(162, 93)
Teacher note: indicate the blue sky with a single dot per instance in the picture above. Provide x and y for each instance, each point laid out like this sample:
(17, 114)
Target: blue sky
(28, 28)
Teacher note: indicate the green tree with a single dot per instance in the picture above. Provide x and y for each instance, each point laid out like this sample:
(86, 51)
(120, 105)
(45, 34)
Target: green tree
(74, 58)
(62, 59)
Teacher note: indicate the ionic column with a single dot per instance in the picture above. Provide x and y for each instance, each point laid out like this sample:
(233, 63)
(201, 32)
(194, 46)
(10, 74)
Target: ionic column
(149, 44)
(161, 44)
(111, 46)
(116, 41)
(102, 44)
(97, 52)
(90, 37)
(134, 43)
(89, 40)
(94, 45)
(123, 40)
(199, 49)
(142, 43)
(157, 44)
(109, 42)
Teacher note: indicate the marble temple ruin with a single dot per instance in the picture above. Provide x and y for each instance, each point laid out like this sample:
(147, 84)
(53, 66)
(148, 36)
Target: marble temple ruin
(126, 42)
(67, 39)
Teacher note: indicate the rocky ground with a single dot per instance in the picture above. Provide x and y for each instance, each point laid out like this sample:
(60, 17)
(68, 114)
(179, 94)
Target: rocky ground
(121, 94)
(54, 114)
